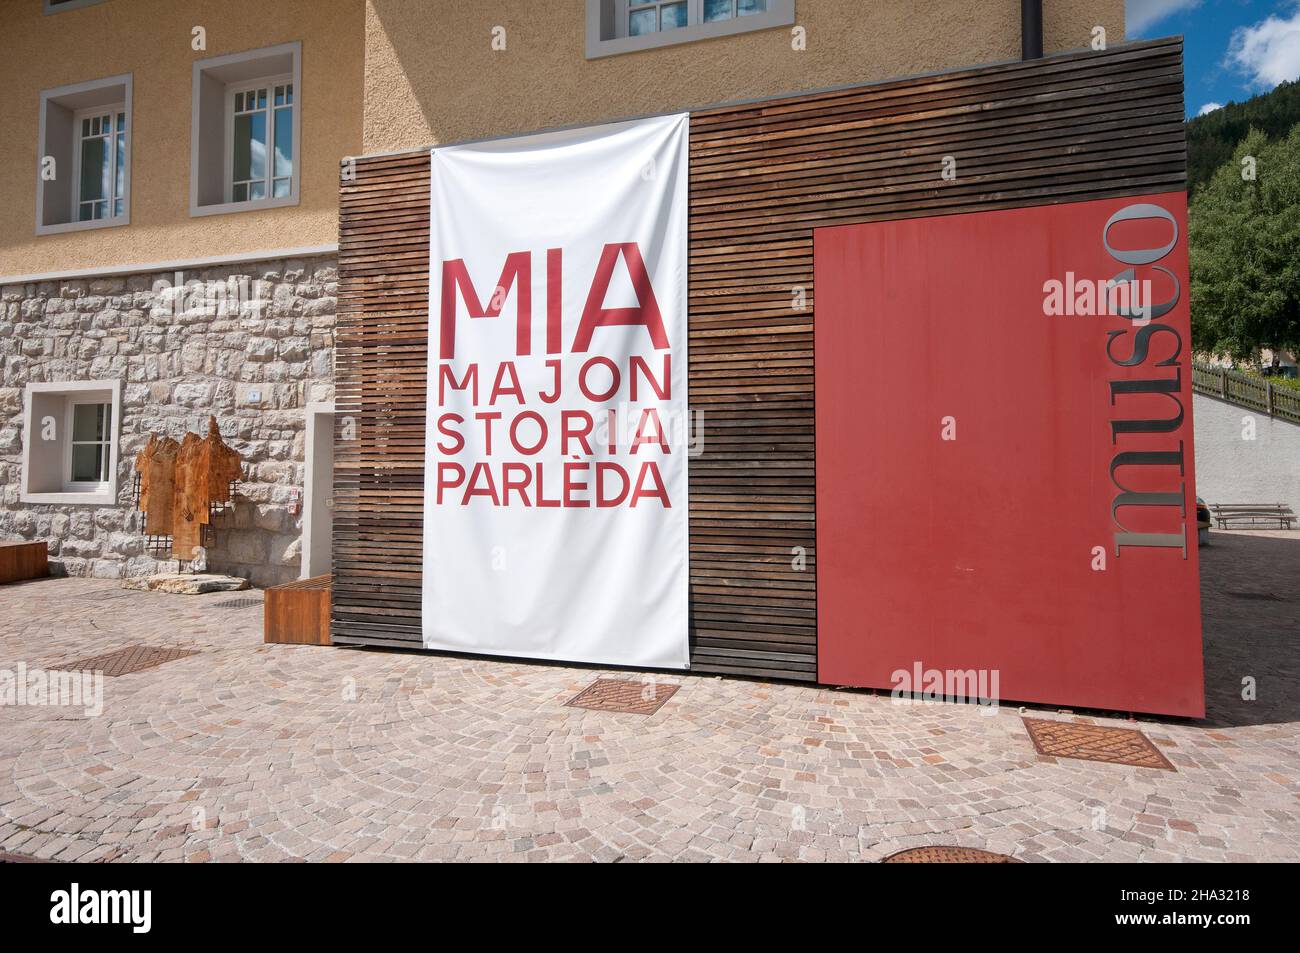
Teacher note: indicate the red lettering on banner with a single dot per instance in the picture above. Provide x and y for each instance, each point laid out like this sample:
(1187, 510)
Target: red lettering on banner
(608, 481)
(571, 484)
(614, 380)
(524, 475)
(647, 415)
(517, 272)
(445, 481)
(568, 432)
(554, 300)
(514, 433)
(501, 389)
(487, 416)
(458, 441)
(601, 499)
(581, 482)
(659, 492)
(542, 501)
(554, 395)
(645, 314)
(482, 473)
(663, 387)
(468, 382)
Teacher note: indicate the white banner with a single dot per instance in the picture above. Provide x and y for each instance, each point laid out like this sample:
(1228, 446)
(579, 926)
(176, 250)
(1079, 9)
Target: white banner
(555, 515)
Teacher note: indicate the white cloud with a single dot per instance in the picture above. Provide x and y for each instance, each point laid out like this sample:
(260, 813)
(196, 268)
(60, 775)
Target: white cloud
(1209, 108)
(1268, 53)
(1142, 14)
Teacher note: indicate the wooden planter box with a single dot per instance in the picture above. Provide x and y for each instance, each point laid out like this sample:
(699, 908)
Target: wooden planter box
(23, 560)
(298, 613)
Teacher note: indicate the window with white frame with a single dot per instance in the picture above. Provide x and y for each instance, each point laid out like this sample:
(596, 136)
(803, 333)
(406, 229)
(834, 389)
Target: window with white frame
(84, 168)
(261, 141)
(70, 442)
(624, 26)
(246, 133)
(89, 445)
(100, 173)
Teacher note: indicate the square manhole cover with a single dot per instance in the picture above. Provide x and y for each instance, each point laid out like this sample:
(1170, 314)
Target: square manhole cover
(1067, 739)
(133, 658)
(948, 855)
(244, 603)
(618, 694)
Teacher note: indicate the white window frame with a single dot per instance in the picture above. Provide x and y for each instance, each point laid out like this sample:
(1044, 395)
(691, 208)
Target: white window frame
(73, 392)
(312, 484)
(197, 144)
(269, 83)
(615, 39)
(94, 112)
(86, 486)
(123, 104)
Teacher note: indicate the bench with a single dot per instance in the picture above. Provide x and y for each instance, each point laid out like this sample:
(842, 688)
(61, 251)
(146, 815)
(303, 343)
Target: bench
(1252, 513)
(298, 613)
(20, 559)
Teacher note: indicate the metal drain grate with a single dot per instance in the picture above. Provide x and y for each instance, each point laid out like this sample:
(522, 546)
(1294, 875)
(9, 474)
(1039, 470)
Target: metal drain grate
(1066, 739)
(948, 855)
(133, 658)
(237, 604)
(616, 694)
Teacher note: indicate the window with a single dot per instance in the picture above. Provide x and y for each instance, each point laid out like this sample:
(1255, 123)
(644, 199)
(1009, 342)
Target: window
(57, 6)
(101, 163)
(261, 142)
(90, 445)
(623, 26)
(246, 131)
(656, 17)
(70, 443)
(84, 172)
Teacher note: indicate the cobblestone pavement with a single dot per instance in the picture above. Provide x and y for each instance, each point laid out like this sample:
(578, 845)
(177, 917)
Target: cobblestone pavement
(246, 751)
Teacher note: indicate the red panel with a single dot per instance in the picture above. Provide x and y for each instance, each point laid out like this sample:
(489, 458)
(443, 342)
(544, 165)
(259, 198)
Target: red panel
(979, 552)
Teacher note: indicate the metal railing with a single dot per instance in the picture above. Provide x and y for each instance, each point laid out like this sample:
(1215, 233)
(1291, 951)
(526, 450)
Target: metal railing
(1246, 391)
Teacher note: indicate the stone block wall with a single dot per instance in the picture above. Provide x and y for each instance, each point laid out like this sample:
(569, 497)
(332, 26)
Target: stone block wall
(251, 344)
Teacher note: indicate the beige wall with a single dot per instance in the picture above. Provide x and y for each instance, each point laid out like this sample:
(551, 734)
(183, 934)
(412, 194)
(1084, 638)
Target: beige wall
(151, 40)
(432, 76)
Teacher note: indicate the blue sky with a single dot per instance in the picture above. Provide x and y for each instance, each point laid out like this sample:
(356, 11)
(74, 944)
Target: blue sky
(1234, 48)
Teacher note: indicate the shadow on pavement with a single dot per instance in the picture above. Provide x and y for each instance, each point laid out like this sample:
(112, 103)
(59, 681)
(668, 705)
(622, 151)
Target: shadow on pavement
(1250, 606)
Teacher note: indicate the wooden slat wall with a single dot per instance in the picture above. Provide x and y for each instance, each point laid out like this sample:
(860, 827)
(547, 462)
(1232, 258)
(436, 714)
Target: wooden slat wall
(763, 176)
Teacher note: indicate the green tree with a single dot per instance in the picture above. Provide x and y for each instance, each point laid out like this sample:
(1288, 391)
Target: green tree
(1244, 240)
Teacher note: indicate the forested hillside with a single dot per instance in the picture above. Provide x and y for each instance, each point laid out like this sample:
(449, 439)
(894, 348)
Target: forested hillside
(1212, 138)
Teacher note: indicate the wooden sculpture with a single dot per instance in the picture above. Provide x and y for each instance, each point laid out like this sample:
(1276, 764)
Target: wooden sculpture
(180, 481)
(156, 464)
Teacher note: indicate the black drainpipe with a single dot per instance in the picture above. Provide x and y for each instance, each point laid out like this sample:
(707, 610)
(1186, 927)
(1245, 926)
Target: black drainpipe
(1031, 29)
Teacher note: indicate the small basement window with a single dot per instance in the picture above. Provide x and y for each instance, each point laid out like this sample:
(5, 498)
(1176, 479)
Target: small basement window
(84, 173)
(70, 442)
(245, 139)
(624, 26)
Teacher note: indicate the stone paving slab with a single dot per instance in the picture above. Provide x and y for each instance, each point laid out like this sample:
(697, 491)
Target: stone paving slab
(246, 751)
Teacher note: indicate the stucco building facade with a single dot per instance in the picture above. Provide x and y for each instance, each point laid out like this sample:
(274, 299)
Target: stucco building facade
(168, 247)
